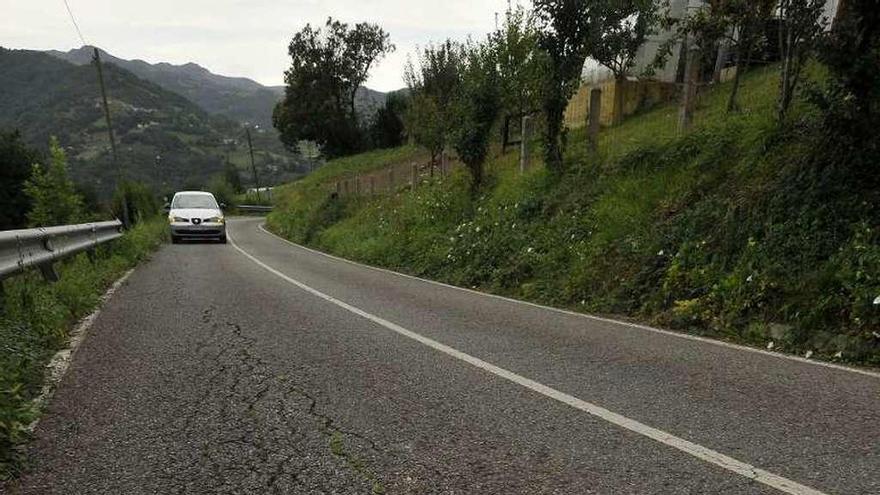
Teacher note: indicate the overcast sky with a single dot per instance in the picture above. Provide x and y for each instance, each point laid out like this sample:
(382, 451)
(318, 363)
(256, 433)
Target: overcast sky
(237, 37)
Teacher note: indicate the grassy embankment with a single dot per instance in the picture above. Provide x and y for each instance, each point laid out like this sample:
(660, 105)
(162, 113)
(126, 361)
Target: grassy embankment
(740, 230)
(35, 320)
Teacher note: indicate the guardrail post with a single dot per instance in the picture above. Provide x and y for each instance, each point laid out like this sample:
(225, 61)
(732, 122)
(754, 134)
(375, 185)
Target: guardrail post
(49, 273)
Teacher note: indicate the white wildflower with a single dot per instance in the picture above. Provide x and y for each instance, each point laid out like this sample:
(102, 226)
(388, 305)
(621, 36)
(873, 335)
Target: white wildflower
(770, 345)
(809, 354)
(661, 252)
(749, 279)
(477, 229)
(838, 355)
(529, 250)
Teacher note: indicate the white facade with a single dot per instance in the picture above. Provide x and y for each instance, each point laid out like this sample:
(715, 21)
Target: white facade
(593, 72)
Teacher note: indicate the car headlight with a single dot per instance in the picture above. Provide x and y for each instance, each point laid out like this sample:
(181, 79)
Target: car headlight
(216, 220)
(173, 219)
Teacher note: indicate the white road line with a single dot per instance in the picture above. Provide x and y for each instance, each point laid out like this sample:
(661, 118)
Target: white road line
(706, 454)
(626, 324)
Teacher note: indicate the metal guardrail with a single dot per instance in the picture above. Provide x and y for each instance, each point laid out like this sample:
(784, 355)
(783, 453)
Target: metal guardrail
(23, 249)
(254, 208)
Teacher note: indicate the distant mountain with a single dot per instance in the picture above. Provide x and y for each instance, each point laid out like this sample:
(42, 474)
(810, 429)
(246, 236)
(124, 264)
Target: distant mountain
(164, 139)
(238, 98)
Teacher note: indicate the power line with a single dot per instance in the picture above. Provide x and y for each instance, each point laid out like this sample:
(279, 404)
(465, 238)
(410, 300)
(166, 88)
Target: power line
(75, 25)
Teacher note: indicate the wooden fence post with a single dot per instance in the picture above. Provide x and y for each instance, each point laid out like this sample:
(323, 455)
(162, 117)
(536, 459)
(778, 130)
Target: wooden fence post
(524, 144)
(415, 176)
(689, 95)
(595, 117)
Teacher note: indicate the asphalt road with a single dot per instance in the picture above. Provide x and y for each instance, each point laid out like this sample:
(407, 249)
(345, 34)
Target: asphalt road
(262, 367)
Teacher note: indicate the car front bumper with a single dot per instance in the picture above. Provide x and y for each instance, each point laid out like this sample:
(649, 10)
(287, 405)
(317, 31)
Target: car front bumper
(201, 231)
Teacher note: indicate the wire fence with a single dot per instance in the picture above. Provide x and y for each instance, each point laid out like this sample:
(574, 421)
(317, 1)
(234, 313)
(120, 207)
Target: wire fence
(393, 178)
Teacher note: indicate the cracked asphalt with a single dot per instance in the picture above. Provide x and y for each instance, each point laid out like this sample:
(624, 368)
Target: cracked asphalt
(206, 373)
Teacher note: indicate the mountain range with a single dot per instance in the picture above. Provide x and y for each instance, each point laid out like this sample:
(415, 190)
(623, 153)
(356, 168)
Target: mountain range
(164, 139)
(238, 98)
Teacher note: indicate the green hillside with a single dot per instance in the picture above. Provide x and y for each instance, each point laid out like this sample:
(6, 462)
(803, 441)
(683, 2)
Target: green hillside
(237, 98)
(740, 230)
(164, 139)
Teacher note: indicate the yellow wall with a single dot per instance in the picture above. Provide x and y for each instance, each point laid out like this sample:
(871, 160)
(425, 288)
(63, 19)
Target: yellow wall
(637, 95)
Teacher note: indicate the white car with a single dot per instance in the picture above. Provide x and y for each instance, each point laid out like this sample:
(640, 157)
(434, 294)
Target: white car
(196, 215)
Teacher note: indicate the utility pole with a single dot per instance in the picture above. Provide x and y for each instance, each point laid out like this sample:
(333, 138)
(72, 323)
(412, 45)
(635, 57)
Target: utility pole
(119, 171)
(253, 164)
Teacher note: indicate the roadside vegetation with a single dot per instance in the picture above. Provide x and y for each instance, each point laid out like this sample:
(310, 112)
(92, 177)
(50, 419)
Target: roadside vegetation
(757, 224)
(36, 316)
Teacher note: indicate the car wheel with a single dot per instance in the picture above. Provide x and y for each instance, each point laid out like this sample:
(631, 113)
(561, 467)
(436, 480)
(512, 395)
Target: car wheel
(175, 239)
(223, 239)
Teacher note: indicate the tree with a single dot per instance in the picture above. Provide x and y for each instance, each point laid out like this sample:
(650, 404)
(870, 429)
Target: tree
(16, 160)
(802, 26)
(387, 126)
(567, 27)
(520, 63)
(476, 107)
(434, 85)
(222, 190)
(143, 204)
(852, 54)
(232, 177)
(328, 65)
(746, 19)
(52, 194)
(624, 26)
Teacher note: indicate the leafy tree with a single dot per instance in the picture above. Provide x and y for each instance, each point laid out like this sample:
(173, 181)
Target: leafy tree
(567, 28)
(434, 85)
(143, 203)
(736, 23)
(746, 19)
(232, 177)
(387, 128)
(852, 54)
(328, 65)
(802, 26)
(53, 196)
(16, 160)
(625, 26)
(222, 190)
(476, 107)
(520, 63)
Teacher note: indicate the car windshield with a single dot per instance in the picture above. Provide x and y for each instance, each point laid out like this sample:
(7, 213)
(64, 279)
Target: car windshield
(194, 201)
